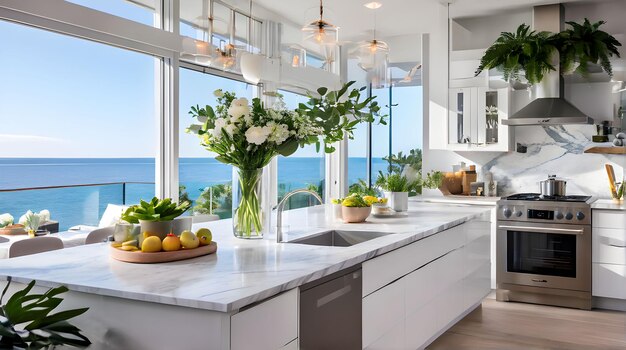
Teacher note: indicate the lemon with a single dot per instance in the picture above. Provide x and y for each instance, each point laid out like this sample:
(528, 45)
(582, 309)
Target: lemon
(151, 244)
(205, 236)
(131, 243)
(129, 248)
(188, 240)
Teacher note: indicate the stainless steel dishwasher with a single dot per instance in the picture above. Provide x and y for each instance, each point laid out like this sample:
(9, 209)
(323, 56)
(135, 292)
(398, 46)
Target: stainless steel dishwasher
(330, 311)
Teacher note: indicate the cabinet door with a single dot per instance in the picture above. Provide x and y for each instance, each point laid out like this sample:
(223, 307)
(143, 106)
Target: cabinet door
(460, 116)
(609, 246)
(609, 281)
(383, 316)
(249, 328)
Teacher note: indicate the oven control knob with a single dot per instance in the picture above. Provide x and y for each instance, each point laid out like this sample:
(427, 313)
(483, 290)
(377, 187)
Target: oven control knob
(518, 213)
(559, 215)
(569, 216)
(580, 215)
(507, 212)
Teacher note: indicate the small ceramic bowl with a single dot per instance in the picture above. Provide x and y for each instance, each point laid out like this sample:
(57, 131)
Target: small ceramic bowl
(355, 214)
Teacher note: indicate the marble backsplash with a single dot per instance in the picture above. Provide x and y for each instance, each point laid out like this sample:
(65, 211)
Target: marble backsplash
(553, 150)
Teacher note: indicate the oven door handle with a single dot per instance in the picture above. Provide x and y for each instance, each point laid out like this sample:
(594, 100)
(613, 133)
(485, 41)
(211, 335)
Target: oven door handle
(566, 231)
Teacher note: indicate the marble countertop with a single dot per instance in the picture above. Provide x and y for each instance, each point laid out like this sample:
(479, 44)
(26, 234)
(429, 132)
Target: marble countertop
(242, 271)
(608, 204)
(457, 199)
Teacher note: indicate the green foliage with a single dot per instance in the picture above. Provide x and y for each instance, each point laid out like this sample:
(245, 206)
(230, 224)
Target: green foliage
(524, 50)
(355, 201)
(222, 196)
(433, 180)
(361, 188)
(396, 182)
(183, 195)
(26, 321)
(584, 44)
(155, 210)
(328, 118)
(399, 161)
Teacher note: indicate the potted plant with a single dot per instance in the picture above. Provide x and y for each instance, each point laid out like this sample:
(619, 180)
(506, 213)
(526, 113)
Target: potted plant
(585, 44)
(155, 216)
(355, 209)
(524, 51)
(27, 322)
(248, 136)
(397, 187)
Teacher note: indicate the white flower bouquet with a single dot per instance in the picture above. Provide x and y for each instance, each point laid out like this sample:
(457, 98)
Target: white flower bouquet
(248, 135)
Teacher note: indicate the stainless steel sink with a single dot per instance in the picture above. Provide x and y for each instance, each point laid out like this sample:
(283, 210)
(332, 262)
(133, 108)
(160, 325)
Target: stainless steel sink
(338, 238)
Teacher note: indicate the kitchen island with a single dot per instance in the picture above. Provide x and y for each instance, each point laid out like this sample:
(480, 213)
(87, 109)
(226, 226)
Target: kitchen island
(200, 302)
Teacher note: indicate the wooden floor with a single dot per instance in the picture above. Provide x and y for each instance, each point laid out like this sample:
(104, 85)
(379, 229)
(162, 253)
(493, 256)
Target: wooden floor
(513, 326)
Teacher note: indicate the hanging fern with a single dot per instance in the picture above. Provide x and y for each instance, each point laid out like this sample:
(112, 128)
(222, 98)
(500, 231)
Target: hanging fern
(523, 51)
(586, 44)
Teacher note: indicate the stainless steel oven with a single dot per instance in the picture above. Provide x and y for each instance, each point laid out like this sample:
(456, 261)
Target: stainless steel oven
(543, 253)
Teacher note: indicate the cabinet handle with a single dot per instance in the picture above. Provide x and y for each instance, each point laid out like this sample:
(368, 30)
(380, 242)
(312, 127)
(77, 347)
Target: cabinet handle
(538, 280)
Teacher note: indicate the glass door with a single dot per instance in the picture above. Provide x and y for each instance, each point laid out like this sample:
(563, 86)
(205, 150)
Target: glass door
(541, 253)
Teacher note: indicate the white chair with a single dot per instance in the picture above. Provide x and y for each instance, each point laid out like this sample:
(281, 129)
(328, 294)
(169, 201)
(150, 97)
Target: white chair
(34, 245)
(99, 235)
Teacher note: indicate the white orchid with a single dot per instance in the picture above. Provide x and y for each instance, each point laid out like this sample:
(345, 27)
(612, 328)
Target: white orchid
(44, 215)
(6, 220)
(231, 129)
(257, 135)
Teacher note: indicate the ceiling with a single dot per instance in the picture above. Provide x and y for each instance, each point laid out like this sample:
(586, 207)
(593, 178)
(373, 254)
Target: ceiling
(395, 17)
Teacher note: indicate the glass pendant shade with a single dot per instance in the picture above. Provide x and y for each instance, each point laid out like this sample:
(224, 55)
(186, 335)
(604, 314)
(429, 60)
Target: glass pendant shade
(372, 54)
(320, 32)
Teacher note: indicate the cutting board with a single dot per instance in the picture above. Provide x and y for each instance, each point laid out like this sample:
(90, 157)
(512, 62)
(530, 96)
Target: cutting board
(611, 174)
(139, 257)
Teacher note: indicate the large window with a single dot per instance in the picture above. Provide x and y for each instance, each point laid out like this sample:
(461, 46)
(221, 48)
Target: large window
(142, 11)
(303, 169)
(402, 102)
(74, 112)
(204, 180)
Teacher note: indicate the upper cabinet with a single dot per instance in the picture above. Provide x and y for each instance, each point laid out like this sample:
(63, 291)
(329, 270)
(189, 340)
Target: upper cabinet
(476, 106)
(475, 119)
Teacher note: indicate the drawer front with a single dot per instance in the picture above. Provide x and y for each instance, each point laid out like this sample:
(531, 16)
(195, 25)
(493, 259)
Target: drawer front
(387, 268)
(609, 281)
(609, 219)
(383, 310)
(609, 246)
(248, 330)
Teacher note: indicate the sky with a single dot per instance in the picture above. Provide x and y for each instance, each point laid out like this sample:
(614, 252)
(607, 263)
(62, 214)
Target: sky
(66, 97)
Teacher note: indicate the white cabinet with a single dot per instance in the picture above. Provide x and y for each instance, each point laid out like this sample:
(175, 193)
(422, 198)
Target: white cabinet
(475, 117)
(609, 254)
(249, 329)
(432, 283)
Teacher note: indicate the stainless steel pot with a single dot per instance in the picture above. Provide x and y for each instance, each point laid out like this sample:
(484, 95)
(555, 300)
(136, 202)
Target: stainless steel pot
(552, 186)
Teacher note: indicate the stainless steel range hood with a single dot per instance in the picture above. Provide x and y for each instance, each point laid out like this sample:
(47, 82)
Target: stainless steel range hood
(550, 106)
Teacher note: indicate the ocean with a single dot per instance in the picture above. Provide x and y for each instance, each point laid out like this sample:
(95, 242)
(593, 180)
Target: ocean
(85, 204)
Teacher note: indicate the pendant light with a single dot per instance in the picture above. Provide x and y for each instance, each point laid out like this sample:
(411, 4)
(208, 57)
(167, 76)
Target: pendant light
(321, 32)
(227, 53)
(201, 51)
(373, 56)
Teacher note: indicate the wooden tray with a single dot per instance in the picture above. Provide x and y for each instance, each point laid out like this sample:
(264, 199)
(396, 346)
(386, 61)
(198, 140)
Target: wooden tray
(12, 231)
(151, 258)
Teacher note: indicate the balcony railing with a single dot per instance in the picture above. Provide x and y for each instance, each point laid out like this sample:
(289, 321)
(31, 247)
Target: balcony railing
(72, 205)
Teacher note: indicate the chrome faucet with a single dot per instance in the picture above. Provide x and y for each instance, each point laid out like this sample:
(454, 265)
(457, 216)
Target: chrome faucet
(281, 207)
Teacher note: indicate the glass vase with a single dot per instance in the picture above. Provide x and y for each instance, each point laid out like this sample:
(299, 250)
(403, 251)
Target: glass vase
(248, 218)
